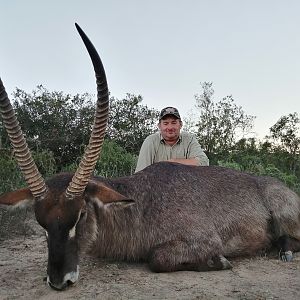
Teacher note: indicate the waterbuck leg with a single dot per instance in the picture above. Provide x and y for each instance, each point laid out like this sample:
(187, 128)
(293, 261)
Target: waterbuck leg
(286, 246)
(179, 256)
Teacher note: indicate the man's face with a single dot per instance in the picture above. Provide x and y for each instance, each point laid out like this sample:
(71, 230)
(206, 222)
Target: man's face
(169, 128)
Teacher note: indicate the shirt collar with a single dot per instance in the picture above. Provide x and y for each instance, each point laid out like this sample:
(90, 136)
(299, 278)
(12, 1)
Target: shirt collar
(162, 141)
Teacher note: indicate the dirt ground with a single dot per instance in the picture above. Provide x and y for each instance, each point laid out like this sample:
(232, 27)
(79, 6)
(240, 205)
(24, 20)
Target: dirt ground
(23, 261)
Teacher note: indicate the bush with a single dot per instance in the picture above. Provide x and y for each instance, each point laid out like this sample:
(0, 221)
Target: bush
(228, 164)
(11, 177)
(290, 180)
(115, 161)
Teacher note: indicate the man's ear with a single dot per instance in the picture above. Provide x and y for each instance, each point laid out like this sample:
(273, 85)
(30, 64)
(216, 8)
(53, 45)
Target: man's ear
(99, 192)
(20, 198)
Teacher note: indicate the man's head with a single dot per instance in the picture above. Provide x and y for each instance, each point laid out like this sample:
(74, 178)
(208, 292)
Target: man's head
(170, 124)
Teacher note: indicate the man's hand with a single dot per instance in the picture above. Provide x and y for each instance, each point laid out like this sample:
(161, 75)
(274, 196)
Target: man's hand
(186, 161)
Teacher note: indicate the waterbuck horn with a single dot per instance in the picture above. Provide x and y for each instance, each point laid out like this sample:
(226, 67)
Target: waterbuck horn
(22, 153)
(92, 152)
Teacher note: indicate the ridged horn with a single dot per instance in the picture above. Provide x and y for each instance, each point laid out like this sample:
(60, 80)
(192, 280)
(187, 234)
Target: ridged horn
(22, 153)
(92, 152)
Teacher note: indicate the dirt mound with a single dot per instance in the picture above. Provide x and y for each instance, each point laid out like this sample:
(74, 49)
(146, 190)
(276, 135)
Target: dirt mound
(23, 262)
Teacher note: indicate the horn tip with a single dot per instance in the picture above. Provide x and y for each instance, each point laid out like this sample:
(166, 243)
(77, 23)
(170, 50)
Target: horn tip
(78, 27)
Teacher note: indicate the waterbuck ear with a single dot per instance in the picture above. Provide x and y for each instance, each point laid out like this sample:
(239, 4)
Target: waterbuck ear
(20, 198)
(99, 192)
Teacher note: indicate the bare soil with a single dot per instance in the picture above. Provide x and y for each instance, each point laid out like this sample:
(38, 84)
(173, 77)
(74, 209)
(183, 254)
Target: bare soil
(23, 261)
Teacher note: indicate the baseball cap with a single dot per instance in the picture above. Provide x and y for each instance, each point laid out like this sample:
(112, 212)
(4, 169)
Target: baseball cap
(169, 111)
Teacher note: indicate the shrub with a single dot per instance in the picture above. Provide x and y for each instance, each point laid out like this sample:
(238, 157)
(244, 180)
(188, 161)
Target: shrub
(11, 177)
(115, 161)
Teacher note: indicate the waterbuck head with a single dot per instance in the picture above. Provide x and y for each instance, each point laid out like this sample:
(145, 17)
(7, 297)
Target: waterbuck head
(60, 203)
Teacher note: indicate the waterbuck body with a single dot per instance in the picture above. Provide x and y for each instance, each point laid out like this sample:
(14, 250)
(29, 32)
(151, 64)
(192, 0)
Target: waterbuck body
(173, 216)
(195, 213)
(189, 215)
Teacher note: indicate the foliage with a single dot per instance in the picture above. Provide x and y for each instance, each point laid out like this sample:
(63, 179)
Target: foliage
(61, 123)
(263, 159)
(289, 179)
(281, 158)
(130, 122)
(286, 131)
(10, 174)
(57, 128)
(45, 163)
(269, 170)
(219, 123)
(114, 161)
(55, 122)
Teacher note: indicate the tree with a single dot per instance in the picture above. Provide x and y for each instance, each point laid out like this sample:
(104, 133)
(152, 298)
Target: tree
(220, 124)
(286, 131)
(56, 122)
(61, 123)
(130, 122)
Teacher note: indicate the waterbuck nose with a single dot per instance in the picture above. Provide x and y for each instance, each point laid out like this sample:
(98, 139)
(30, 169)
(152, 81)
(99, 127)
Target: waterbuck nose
(69, 279)
(59, 287)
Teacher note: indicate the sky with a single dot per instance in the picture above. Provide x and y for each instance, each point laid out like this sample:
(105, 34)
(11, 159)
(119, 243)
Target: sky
(160, 49)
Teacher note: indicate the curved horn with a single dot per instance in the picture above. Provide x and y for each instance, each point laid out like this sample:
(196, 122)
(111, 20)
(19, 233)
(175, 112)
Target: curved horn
(22, 153)
(90, 157)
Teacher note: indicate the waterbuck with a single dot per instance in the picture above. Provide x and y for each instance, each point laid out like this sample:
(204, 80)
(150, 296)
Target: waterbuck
(173, 216)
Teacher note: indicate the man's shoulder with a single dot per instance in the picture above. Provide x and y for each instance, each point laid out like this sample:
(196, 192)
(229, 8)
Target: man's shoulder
(153, 138)
(186, 135)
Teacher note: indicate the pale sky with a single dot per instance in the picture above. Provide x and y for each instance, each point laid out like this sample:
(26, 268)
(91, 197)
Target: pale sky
(160, 49)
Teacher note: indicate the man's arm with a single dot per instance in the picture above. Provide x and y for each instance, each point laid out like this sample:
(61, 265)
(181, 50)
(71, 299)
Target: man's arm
(186, 161)
(196, 155)
(146, 155)
(196, 152)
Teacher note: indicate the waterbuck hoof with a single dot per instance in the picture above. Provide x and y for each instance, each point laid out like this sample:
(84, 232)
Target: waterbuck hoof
(286, 256)
(218, 262)
(225, 262)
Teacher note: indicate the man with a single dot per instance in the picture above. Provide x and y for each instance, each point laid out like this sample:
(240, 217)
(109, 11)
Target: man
(169, 144)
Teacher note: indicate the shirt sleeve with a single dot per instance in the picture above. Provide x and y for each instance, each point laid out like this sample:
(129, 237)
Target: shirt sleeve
(146, 155)
(195, 151)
